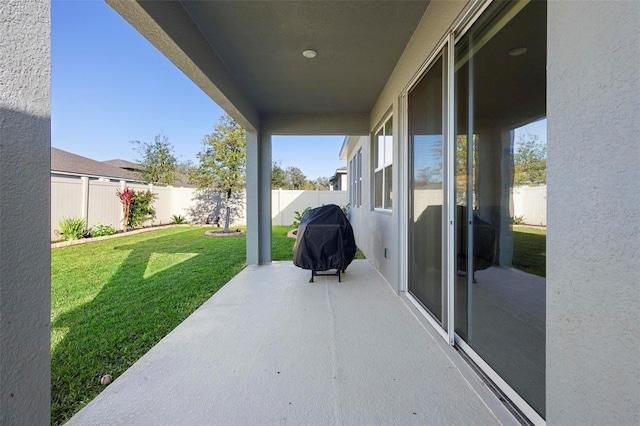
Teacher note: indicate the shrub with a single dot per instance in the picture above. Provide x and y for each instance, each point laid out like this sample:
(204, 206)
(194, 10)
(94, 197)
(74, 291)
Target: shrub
(518, 220)
(176, 219)
(100, 230)
(126, 198)
(137, 207)
(141, 209)
(72, 228)
(298, 216)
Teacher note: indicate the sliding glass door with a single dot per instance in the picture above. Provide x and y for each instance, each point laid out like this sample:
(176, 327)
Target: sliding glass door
(426, 196)
(477, 197)
(500, 171)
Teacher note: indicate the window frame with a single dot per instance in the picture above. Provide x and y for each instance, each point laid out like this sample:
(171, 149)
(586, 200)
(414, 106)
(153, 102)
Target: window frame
(358, 168)
(386, 166)
(355, 179)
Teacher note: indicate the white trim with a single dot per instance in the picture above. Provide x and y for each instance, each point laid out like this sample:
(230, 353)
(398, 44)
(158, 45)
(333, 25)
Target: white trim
(428, 316)
(469, 17)
(384, 211)
(517, 400)
(403, 180)
(449, 148)
(358, 182)
(433, 56)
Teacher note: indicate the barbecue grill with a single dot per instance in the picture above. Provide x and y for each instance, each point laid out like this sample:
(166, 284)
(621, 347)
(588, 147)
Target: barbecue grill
(324, 242)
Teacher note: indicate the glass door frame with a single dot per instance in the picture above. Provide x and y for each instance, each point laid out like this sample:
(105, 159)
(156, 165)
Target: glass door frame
(446, 48)
(443, 50)
(455, 35)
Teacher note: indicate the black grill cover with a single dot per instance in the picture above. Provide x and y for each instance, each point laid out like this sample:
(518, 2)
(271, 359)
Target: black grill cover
(325, 240)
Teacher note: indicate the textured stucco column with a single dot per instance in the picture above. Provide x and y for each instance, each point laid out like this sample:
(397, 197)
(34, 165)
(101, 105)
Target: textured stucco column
(258, 198)
(593, 234)
(25, 267)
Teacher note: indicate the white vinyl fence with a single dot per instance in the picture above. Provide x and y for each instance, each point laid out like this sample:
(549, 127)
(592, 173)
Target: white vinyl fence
(96, 202)
(530, 202)
(285, 203)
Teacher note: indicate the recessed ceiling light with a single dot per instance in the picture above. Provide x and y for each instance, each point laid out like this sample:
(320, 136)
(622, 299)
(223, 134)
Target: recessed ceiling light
(518, 51)
(309, 54)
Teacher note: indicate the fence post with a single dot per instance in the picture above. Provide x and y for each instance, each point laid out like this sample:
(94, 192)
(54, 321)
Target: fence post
(279, 209)
(123, 185)
(85, 199)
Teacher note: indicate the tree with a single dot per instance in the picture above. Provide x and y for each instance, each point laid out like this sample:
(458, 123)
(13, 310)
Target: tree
(186, 167)
(278, 176)
(158, 160)
(530, 161)
(293, 178)
(322, 183)
(297, 179)
(222, 162)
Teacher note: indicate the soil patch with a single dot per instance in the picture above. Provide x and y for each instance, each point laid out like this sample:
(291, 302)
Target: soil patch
(221, 233)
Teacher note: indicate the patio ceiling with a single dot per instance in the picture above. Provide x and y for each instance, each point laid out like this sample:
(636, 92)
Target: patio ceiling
(251, 51)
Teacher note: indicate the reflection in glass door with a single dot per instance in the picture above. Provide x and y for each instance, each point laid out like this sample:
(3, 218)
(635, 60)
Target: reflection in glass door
(500, 194)
(425, 103)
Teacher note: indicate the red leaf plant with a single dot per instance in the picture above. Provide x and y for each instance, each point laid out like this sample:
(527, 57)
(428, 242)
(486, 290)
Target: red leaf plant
(126, 197)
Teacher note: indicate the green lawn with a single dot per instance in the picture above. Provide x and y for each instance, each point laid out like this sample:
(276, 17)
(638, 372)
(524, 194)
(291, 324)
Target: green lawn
(530, 250)
(113, 300)
(281, 245)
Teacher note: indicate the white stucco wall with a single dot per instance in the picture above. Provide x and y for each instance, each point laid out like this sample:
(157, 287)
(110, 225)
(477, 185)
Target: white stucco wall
(380, 230)
(593, 239)
(374, 230)
(24, 212)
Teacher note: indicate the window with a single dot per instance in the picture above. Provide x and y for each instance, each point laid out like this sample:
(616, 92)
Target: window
(383, 166)
(352, 179)
(358, 200)
(355, 179)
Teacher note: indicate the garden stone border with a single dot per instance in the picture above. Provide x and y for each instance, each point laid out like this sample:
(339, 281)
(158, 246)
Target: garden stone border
(218, 233)
(117, 235)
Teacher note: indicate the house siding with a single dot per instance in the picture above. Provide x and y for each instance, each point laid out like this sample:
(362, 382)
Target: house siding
(593, 285)
(25, 283)
(374, 230)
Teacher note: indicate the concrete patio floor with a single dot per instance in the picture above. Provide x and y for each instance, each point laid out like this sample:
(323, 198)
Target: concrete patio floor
(271, 348)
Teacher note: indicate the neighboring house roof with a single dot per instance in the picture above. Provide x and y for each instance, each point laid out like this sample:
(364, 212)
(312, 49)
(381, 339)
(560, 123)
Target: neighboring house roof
(66, 162)
(182, 179)
(339, 171)
(124, 164)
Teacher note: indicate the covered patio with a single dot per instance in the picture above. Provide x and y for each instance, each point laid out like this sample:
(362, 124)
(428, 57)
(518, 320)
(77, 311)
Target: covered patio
(271, 348)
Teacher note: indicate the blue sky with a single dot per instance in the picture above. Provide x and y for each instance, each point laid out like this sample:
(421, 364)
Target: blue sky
(110, 86)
